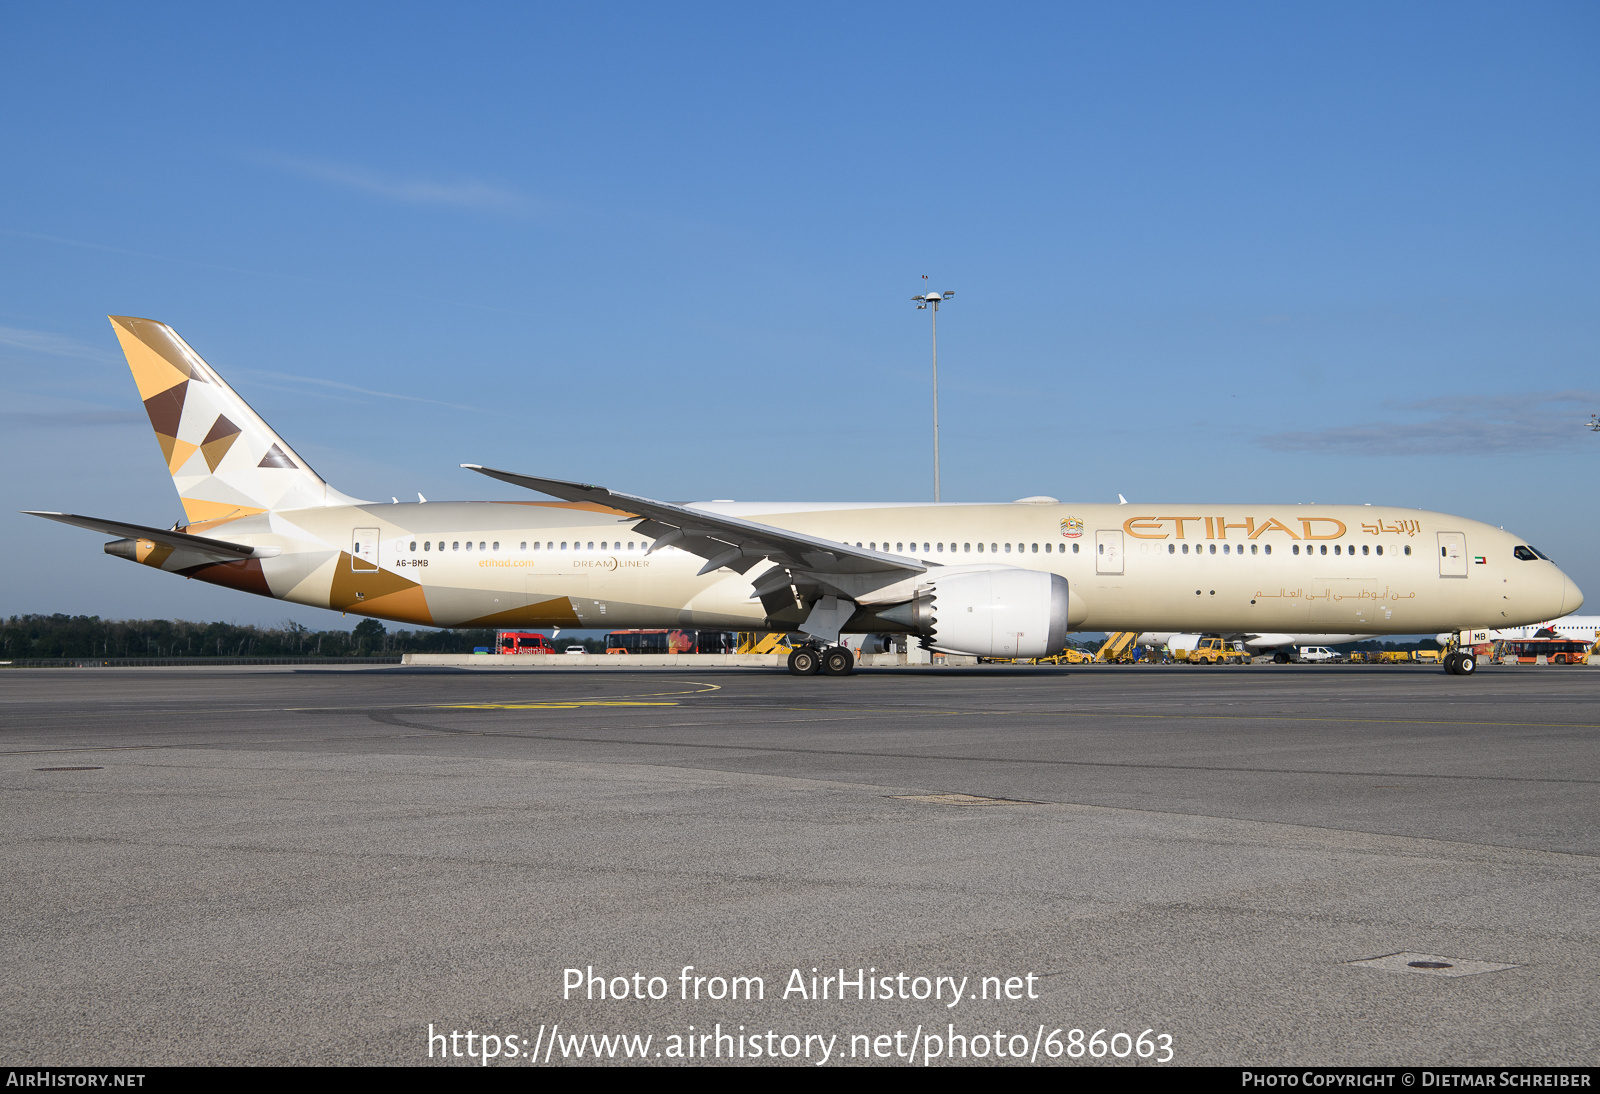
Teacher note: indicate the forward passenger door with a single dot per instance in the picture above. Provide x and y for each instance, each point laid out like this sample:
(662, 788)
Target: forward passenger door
(1108, 551)
(1452, 554)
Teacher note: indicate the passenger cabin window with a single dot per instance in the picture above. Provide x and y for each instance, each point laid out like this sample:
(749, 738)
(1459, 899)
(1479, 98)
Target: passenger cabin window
(1074, 548)
(1408, 548)
(413, 545)
(455, 545)
(1172, 548)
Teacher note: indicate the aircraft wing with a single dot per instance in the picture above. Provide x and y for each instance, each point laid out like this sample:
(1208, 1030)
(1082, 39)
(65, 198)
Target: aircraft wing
(731, 542)
(182, 541)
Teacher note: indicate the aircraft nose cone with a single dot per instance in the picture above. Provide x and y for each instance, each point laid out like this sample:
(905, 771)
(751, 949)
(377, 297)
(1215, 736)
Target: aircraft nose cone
(1571, 595)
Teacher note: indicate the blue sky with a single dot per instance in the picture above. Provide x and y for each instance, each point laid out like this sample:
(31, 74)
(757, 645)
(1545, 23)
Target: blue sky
(1231, 252)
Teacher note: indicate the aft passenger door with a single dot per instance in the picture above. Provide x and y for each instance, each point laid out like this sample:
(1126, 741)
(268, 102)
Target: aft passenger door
(1452, 554)
(1108, 551)
(364, 550)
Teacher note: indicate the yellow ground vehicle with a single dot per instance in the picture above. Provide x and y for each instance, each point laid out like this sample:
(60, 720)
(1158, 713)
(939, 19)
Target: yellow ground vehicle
(1215, 650)
(1426, 655)
(1117, 647)
(759, 642)
(1071, 656)
(1392, 657)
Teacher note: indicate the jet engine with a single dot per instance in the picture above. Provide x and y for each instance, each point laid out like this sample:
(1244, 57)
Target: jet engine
(991, 613)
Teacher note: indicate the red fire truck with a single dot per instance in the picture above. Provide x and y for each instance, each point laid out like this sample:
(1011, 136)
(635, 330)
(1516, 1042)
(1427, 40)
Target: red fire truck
(522, 642)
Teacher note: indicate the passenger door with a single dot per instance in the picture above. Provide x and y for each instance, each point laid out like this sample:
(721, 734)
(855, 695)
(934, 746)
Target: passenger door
(1452, 554)
(364, 550)
(1108, 551)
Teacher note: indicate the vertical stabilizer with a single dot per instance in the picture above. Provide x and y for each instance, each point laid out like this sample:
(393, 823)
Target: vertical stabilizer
(225, 461)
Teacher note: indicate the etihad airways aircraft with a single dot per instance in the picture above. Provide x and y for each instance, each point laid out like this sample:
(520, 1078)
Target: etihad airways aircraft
(1008, 580)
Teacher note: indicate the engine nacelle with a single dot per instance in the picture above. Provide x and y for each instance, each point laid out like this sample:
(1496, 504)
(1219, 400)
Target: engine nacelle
(995, 613)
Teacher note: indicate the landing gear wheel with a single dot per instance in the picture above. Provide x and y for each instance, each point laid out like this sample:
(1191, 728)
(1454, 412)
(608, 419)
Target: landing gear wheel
(804, 662)
(1466, 664)
(838, 662)
(1450, 663)
(1280, 658)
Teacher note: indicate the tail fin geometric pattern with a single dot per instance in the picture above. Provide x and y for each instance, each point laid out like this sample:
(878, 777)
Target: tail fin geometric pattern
(225, 461)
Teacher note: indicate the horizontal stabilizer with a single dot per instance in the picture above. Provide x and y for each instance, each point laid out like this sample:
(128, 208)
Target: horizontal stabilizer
(182, 541)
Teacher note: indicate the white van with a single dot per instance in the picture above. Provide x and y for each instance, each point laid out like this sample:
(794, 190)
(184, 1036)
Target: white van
(1318, 655)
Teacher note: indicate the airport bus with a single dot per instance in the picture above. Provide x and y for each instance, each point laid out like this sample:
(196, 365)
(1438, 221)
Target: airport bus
(669, 641)
(1555, 651)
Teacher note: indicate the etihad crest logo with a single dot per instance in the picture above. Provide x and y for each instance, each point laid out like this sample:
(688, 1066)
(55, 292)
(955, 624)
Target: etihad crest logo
(1072, 527)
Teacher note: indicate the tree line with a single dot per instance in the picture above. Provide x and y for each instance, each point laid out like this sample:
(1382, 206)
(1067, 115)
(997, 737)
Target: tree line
(45, 636)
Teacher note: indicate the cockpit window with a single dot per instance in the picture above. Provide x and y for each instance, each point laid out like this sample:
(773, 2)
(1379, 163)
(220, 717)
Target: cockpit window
(1541, 554)
(1526, 554)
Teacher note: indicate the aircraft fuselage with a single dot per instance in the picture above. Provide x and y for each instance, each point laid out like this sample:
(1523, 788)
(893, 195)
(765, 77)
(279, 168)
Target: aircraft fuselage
(1167, 567)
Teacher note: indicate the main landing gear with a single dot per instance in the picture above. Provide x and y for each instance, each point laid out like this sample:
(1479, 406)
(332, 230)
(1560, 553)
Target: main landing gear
(1460, 664)
(809, 661)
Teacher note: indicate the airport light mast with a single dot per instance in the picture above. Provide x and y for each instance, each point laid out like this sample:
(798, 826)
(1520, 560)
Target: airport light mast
(925, 302)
